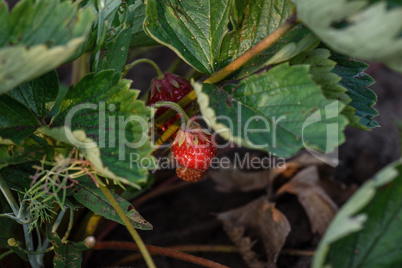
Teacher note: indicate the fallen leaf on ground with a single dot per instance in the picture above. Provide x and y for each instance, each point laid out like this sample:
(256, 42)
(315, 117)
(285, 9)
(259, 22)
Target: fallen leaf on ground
(318, 205)
(233, 179)
(258, 220)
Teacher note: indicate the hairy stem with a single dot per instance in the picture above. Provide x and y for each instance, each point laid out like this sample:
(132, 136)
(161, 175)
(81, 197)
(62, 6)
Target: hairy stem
(30, 246)
(16, 209)
(139, 243)
(160, 251)
(128, 67)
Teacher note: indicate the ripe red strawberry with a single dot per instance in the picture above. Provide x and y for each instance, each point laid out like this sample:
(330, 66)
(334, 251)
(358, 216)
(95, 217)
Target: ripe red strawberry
(194, 150)
(170, 88)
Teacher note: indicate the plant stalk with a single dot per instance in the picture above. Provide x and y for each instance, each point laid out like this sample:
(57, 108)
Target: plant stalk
(174, 127)
(128, 67)
(174, 106)
(9, 196)
(184, 102)
(70, 226)
(254, 51)
(160, 251)
(15, 208)
(140, 244)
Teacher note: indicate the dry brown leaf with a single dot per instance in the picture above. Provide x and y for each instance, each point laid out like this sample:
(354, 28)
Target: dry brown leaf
(233, 179)
(258, 220)
(318, 205)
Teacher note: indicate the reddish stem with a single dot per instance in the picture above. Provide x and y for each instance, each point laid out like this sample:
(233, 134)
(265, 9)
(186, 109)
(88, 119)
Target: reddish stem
(160, 251)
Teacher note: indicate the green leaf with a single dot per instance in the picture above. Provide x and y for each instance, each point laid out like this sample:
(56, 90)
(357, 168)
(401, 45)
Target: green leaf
(16, 121)
(32, 149)
(24, 109)
(139, 38)
(343, 81)
(47, 22)
(291, 50)
(251, 23)
(19, 64)
(390, 3)
(38, 95)
(67, 254)
(4, 21)
(193, 29)
(93, 198)
(104, 108)
(278, 111)
(115, 56)
(18, 176)
(356, 82)
(354, 28)
(43, 35)
(366, 231)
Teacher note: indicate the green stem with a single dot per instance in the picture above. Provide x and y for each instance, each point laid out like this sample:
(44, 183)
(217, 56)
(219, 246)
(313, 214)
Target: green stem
(14, 206)
(17, 219)
(6, 254)
(9, 196)
(30, 246)
(128, 67)
(173, 106)
(36, 252)
(174, 127)
(100, 35)
(141, 246)
(58, 221)
(184, 102)
(70, 226)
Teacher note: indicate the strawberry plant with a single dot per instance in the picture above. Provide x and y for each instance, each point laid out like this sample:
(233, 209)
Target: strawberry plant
(276, 76)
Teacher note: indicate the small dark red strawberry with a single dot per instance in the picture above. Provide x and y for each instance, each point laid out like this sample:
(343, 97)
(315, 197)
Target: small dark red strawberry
(189, 174)
(194, 149)
(169, 88)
